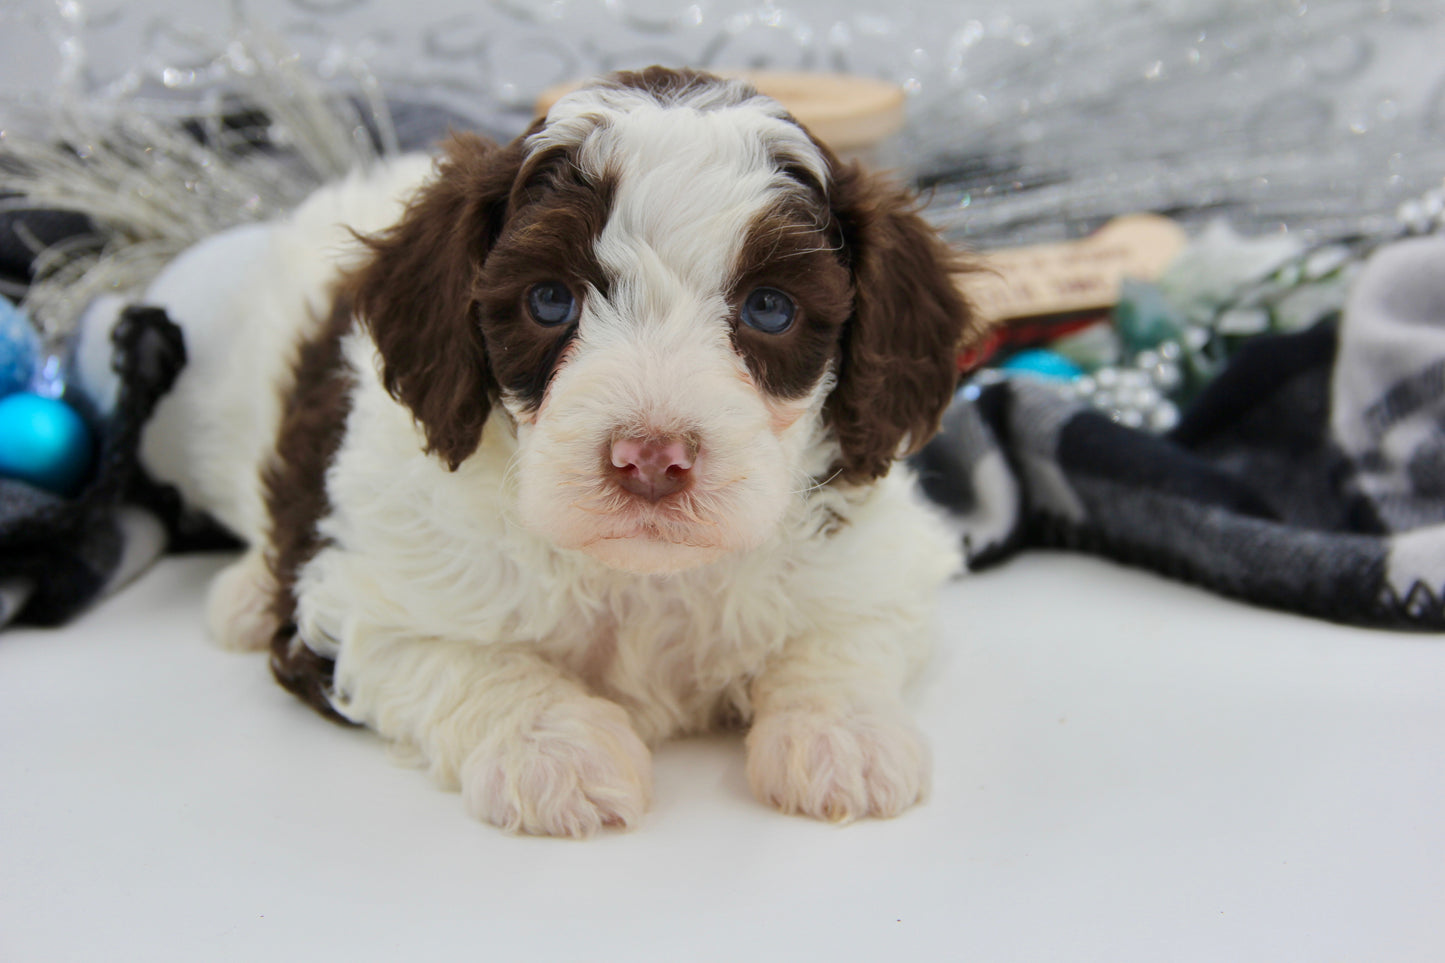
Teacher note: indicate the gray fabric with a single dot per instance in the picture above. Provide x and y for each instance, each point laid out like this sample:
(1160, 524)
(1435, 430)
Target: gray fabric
(1388, 392)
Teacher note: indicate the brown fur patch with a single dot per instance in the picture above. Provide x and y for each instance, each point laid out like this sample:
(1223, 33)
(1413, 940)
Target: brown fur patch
(670, 84)
(313, 424)
(898, 367)
(792, 248)
(556, 217)
(444, 294)
(417, 294)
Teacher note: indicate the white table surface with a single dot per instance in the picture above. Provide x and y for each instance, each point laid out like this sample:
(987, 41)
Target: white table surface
(1126, 769)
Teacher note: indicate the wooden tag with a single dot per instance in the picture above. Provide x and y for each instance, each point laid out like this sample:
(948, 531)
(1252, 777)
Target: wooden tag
(1073, 277)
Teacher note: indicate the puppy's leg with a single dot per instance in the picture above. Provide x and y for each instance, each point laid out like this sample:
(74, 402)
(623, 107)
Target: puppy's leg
(830, 737)
(530, 749)
(239, 604)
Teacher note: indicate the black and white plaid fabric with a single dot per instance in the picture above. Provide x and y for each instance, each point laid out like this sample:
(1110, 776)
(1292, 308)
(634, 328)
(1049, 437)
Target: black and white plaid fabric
(1310, 476)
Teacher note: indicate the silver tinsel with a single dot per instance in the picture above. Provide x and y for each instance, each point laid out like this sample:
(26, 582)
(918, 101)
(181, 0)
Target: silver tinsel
(154, 185)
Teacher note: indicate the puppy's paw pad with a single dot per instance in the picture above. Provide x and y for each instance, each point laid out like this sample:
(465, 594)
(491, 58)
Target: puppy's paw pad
(838, 766)
(578, 768)
(239, 603)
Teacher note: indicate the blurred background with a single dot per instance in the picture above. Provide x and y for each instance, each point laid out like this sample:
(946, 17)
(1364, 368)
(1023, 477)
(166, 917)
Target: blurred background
(1028, 119)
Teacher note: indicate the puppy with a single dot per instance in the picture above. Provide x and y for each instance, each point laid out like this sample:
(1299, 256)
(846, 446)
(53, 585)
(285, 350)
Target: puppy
(547, 452)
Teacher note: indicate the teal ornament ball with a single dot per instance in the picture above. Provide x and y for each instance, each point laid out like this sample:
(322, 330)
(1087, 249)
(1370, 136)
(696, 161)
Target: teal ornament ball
(43, 442)
(1042, 364)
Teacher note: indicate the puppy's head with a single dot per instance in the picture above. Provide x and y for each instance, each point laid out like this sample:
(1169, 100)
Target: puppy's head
(689, 309)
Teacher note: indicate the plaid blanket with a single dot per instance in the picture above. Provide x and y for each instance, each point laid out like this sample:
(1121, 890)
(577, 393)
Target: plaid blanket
(1309, 476)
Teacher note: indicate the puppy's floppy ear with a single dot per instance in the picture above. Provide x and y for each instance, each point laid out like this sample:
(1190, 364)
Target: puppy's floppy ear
(416, 295)
(898, 368)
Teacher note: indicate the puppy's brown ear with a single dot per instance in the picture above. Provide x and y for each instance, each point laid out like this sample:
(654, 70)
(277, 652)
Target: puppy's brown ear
(898, 368)
(416, 295)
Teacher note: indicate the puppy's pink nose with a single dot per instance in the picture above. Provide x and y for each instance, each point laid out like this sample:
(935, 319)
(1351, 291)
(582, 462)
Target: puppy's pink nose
(653, 468)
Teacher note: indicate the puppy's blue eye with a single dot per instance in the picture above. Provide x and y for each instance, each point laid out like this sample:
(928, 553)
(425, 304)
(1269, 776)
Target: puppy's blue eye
(769, 310)
(551, 303)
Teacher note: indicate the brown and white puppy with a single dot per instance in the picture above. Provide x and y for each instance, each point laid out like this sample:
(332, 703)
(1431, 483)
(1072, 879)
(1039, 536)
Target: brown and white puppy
(589, 443)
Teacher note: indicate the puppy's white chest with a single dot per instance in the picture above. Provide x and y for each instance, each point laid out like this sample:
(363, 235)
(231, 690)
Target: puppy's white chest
(677, 652)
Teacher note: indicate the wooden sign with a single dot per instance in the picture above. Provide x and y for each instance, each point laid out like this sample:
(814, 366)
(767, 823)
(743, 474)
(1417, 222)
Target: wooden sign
(1073, 277)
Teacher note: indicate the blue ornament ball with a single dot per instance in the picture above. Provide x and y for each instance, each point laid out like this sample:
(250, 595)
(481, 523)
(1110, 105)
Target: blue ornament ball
(43, 442)
(1042, 364)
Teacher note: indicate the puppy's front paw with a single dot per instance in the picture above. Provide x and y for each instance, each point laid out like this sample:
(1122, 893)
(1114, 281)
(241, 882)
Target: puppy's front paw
(838, 766)
(577, 767)
(239, 604)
